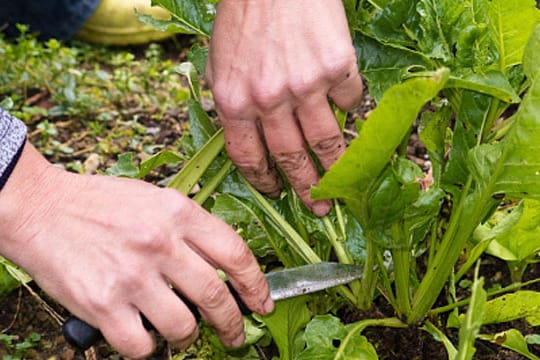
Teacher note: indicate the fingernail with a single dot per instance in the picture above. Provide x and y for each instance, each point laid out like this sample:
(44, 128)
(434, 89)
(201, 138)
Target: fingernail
(268, 306)
(321, 208)
(239, 341)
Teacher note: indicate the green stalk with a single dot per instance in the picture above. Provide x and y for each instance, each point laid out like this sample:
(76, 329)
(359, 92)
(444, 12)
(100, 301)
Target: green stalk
(192, 171)
(295, 241)
(341, 252)
(368, 281)
(211, 185)
(464, 302)
(401, 257)
(443, 262)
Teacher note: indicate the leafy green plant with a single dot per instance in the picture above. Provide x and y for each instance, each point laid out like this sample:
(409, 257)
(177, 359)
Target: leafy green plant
(469, 69)
(18, 349)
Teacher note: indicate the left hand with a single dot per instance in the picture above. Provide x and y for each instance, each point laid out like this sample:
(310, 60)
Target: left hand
(272, 66)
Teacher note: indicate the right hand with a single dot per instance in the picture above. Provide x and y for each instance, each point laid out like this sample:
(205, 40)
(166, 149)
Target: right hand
(108, 248)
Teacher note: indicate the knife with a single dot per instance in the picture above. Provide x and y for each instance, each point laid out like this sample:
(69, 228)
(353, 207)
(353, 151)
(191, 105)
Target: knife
(283, 284)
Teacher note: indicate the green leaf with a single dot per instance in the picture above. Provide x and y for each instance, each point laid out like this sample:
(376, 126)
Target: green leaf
(7, 282)
(288, 319)
(355, 172)
(517, 236)
(187, 17)
(190, 72)
(472, 322)
(531, 65)
(518, 305)
(512, 23)
(161, 158)
(492, 83)
(438, 335)
(327, 338)
(125, 166)
(235, 211)
(198, 56)
(511, 339)
(383, 65)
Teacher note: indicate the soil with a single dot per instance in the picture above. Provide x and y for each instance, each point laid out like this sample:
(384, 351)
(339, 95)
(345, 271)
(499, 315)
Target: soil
(28, 310)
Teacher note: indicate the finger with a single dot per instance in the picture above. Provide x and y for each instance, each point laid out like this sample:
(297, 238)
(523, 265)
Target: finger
(168, 314)
(321, 130)
(347, 93)
(201, 284)
(125, 332)
(222, 247)
(248, 152)
(286, 143)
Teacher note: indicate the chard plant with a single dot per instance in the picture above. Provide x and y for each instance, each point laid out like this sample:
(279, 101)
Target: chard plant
(466, 76)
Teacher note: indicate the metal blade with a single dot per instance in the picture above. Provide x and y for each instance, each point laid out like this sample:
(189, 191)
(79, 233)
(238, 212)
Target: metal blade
(307, 279)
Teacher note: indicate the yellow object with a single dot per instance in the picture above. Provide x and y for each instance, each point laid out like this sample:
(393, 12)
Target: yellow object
(114, 23)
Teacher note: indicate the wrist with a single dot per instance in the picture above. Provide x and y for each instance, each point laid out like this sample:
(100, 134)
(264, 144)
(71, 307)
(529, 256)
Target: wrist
(23, 197)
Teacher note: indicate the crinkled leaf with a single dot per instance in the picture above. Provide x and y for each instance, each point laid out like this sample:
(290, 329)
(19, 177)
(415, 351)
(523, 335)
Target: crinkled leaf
(237, 212)
(432, 132)
(367, 156)
(386, 24)
(455, 173)
(512, 23)
(188, 17)
(325, 339)
(198, 56)
(518, 305)
(438, 20)
(384, 66)
(288, 319)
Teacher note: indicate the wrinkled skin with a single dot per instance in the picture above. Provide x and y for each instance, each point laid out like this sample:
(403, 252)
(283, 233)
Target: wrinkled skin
(272, 66)
(108, 248)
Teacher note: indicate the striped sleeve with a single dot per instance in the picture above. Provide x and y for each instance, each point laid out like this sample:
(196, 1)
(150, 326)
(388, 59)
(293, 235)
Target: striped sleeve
(12, 139)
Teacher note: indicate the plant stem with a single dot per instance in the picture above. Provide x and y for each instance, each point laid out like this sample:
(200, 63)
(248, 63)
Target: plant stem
(368, 281)
(445, 258)
(211, 185)
(401, 257)
(464, 302)
(295, 241)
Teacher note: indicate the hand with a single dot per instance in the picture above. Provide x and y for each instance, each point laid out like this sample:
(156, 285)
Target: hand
(108, 248)
(272, 66)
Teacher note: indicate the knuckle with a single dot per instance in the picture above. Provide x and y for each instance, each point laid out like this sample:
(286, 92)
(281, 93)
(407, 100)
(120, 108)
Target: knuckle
(152, 238)
(329, 150)
(214, 293)
(292, 162)
(306, 84)
(336, 66)
(268, 95)
(233, 104)
(241, 255)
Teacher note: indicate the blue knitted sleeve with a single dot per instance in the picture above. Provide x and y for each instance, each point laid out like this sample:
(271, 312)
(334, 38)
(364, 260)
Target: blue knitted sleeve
(12, 140)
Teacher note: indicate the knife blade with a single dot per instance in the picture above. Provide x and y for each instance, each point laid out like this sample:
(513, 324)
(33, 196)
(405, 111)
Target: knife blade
(283, 284)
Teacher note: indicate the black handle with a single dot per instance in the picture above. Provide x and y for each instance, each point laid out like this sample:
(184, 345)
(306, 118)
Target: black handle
(82, 336)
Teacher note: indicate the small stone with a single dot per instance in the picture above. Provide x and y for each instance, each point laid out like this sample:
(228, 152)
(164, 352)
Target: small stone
(91, 164)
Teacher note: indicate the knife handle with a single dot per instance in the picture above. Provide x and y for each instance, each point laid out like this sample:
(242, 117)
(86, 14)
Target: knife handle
(82, 336)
